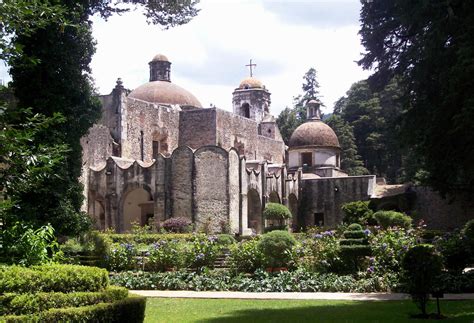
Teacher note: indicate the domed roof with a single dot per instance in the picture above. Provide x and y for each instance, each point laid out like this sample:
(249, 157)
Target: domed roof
(250, 83)
(165, 93)
(160, 57)
(314, 133)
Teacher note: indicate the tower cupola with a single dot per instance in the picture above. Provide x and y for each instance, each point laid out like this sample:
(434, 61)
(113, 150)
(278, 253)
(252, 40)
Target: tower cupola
(160, 68)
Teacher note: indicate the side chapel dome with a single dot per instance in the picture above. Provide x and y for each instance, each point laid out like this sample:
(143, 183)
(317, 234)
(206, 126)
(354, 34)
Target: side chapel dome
(314, 133)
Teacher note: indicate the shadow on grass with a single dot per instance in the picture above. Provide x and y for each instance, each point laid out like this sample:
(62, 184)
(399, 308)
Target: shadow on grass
(349, 312)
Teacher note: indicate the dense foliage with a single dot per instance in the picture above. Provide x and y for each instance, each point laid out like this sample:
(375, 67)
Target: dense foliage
(392, 219)
(429, 45)
(358, 212)
(48, 47)
(277, 248)
(368, 125)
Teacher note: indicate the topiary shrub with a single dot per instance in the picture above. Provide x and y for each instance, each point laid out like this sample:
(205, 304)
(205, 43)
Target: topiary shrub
(276, 211)
(276, 247)
(392, 219)
(354, 247)
(421, 268)
(276, 217)
(358, 212)
(177, 224)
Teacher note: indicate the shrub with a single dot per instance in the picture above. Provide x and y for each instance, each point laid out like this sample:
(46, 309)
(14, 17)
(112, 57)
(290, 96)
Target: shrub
(52, 278)
(225, 239)
(388, 249)
(246, 256)
(454, 250)
(202, 252)
(165, 254)
(131, 309)
(177, 224)
(421, 267)
(468, 233)
(319, 252)
(353, 250)
(121, 257)
(392, 219)
(276, 211)
(18, 304)
(276, 247)
(358, 212)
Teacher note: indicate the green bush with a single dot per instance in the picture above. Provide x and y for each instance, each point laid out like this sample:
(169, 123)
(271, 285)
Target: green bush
(246, 256)
(455, 251)
(131, 309)
(358, 212)
(276, 246)
(149, 238)
(353, 227)
(388, 249)
(356, 234)
(276, 211)
(468, 233)
(122, 256)
(18, 304)
(421, 268)
(225, 239)
(165, 254)
(201, 252)
(319, 252)
(52, 278)
(392, 219)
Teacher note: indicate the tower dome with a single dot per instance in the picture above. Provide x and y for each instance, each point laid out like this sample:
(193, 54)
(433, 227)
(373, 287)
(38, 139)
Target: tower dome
(161, 90)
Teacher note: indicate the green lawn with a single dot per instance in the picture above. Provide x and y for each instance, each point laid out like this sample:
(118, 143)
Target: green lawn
(229, 310)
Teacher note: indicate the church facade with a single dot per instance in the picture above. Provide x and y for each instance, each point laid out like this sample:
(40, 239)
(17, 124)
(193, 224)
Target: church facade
(157, 153)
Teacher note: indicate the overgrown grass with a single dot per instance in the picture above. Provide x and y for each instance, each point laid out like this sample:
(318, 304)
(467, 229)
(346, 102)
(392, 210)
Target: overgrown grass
(232, 310)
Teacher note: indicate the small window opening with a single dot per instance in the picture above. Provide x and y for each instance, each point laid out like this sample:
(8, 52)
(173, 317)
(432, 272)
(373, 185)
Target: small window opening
(319, 219)
(307, 159)
(246, 110)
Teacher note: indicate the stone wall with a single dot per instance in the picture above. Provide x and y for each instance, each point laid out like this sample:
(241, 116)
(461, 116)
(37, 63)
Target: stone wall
(234, 191)
(181, 183)
(270, 149)
(197, 128)
(327, 195)
(154, 123)
(442, 214)
(211, 198)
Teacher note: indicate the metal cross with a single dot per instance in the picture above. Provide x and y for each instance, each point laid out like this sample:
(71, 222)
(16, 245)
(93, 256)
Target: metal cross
(250, 67)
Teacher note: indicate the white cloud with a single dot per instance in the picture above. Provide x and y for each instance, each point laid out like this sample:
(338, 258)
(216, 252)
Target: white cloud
(210, 52)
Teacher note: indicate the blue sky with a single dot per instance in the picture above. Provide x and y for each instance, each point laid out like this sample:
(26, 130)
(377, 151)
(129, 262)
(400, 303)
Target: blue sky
(208, 55)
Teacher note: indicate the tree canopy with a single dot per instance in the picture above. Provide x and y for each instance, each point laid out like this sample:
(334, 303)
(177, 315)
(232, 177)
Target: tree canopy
(429, 45)
(290, 118)
(48, 47)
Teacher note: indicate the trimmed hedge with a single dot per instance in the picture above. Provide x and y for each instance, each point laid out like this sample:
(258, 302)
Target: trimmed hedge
(145, 238)
(130, 310)
(52, 278)
(18, 304)
(276, 211)
(392, 219)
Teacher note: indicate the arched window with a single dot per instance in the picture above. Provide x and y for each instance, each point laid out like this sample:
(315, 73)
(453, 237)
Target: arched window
(246, 110)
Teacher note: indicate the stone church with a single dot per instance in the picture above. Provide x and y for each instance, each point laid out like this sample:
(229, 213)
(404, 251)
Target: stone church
(157, 153)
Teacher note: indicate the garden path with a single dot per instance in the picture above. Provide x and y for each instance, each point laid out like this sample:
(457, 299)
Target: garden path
(284, 295)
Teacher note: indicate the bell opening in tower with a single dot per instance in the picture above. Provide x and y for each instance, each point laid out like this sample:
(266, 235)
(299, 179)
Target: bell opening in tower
(246, 110)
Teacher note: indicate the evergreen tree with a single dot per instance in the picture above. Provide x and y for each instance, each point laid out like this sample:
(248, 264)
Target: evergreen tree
(50, 74)
(350, 160)
(290, 118)
(429, 44)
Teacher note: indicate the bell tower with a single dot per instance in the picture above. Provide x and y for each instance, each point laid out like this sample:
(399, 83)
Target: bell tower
(251, 99)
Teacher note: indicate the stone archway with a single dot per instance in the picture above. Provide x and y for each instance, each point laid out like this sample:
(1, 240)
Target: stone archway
(254, 211)
(137, 207)
(274, 198)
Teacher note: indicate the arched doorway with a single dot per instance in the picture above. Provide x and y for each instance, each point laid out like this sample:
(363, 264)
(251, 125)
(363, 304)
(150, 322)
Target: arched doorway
(137, 208)
(254, 211)
(274, 198)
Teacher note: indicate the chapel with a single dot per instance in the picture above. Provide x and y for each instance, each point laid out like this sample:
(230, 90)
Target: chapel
(157, 153)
